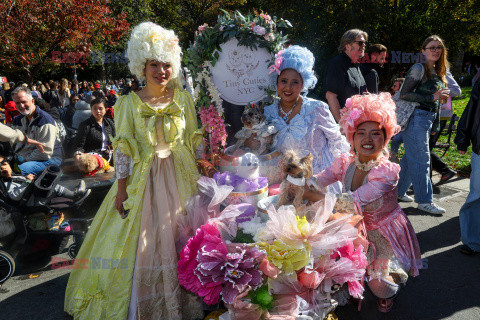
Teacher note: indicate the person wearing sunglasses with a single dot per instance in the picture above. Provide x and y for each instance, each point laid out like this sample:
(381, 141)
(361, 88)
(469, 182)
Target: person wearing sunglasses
(343, 77)
(426, 85)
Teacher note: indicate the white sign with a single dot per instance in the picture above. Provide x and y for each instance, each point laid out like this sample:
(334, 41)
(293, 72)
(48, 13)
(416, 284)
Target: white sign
(240, 72)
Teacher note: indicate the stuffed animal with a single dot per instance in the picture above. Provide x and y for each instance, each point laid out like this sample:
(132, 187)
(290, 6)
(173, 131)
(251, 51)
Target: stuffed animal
(249, 169)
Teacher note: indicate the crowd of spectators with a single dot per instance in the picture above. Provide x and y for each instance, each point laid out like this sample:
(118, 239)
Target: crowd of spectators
(69, 117)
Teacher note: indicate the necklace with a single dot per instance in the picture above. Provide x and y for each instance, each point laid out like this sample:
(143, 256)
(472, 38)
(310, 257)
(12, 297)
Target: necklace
(366, 166)
(286, 114)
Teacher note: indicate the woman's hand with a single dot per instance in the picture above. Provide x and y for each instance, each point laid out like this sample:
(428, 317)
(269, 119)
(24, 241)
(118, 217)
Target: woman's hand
(441, 94)
(312, 195)
(122, 196)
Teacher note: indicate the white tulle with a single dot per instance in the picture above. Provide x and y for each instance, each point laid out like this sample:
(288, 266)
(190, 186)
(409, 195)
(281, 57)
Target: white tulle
(205, 207)
(323, 236)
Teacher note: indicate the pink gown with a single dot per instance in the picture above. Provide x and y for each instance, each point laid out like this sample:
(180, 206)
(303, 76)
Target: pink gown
(383, 216)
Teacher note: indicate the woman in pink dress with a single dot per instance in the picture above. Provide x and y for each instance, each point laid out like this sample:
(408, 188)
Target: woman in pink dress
(370, 189)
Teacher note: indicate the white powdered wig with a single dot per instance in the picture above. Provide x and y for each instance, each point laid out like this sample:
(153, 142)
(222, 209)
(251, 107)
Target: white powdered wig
(149, 41)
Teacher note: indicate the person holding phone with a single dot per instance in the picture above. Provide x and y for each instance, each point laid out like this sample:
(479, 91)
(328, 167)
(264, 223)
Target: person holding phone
(425, 84)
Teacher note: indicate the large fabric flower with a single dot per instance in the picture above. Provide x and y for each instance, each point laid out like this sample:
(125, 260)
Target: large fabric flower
(345, 265)
(207, 238)
(320, 235)
(286, 257)
(359, 261)
(232, 272)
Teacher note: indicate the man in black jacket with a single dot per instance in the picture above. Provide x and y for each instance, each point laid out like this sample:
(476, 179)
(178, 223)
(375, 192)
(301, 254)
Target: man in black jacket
(372, 67)
(468, 131)
(343, 77)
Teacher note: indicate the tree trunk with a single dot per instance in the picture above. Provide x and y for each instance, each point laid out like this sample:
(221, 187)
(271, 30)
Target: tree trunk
(457, 63)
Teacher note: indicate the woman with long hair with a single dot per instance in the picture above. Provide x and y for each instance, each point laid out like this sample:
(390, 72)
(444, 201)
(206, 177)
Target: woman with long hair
(64, 93)
(424, 84)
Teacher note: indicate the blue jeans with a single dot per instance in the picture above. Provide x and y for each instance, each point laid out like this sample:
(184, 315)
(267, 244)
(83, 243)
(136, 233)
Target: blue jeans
(396, 142)
(415, 164)
(35, 167)
(470, 211)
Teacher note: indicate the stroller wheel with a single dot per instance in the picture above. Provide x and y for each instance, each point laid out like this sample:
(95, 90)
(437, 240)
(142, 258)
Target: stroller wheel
(7, 266)
(72, 251)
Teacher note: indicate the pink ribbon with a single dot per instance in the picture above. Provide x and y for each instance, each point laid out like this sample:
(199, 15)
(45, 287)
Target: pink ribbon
(276, 66)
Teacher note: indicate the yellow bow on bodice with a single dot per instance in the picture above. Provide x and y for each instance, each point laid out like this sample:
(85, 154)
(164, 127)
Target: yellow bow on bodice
(171, 115)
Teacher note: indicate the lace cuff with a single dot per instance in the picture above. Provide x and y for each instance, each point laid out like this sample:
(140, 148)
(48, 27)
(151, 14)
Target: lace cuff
(123, 165)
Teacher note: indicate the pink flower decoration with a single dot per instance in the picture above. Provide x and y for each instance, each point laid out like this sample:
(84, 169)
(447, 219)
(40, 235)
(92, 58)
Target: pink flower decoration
(269, 269)
(277, 64)
(353, 116)
(206, 236)
(310, 278)
(259, 30)
(202, 27)
(269, 37)
(356, 255)
(348, 103)
(355, 289)
(214, 125)
(267, 18)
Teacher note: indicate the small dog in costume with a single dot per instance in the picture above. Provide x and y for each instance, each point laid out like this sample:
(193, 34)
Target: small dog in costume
(92, 163)
(296, 172)
(254, 123)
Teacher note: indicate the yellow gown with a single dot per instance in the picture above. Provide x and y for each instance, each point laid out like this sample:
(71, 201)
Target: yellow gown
(145, 240)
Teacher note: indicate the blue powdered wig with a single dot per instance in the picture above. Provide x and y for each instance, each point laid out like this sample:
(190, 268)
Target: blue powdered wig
(299, 59)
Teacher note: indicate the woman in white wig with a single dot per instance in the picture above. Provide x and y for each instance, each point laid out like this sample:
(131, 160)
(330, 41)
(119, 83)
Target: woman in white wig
(130, 247)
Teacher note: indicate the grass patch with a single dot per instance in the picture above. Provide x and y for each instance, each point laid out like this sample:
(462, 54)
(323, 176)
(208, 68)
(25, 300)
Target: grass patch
(453, 158)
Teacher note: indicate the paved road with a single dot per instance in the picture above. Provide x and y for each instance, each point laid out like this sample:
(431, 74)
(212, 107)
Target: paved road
(448, 289)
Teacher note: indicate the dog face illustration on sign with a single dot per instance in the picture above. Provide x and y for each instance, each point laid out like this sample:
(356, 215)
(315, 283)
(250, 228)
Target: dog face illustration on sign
(236, 58)
(241, 73)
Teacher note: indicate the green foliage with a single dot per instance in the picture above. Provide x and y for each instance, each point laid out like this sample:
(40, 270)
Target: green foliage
(208, 40)
(262, 297)
(184, 16)
(242, 237)
(32, 30)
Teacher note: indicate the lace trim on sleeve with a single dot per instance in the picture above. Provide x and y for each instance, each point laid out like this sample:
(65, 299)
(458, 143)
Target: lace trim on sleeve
(123, 165)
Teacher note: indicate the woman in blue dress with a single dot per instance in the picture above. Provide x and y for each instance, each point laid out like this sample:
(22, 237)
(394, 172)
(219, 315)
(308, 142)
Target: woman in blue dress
(304, 125)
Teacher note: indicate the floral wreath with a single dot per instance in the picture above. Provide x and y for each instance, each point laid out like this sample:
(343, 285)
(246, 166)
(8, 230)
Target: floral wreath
(253, 31)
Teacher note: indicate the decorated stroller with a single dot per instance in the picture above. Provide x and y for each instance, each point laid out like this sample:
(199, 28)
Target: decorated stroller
(34, 228)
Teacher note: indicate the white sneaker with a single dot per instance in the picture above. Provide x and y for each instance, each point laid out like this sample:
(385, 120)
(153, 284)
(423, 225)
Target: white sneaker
(431, 208)
(404, 198)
